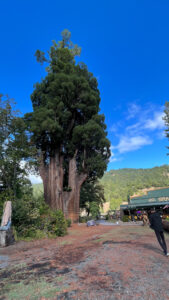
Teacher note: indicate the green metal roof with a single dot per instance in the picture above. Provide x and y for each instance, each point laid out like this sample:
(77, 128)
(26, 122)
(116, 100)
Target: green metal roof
(158, 197)
(140, 205)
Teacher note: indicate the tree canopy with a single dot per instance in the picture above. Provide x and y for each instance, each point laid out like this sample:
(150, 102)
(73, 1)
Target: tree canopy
(65, 123)
(13, 148)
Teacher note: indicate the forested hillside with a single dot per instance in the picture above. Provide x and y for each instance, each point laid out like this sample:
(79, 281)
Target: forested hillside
(119, 184)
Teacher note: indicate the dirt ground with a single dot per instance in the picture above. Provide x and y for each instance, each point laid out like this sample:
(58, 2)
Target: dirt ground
(101, 262)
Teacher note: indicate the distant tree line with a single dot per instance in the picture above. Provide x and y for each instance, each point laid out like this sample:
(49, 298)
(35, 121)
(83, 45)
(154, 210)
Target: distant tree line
(123, 183)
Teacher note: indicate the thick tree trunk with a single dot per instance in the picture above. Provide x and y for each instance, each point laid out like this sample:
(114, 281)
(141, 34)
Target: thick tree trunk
(71, 199)
(52, 176)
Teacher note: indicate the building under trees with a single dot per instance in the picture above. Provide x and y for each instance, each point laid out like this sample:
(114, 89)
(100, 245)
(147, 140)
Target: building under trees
(157, 198)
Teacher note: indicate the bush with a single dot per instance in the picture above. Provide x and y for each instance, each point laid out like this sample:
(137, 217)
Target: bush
(69, 222)
(94, 209)
(84, 219)
(55, 223)
(60, 225)
(33, 218)
(125, 219)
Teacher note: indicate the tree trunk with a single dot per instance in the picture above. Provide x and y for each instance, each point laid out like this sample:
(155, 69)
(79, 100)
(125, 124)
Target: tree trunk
(52, 176)
(71, 199)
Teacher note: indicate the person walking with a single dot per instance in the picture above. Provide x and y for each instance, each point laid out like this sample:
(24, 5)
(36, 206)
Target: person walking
(156, 225)
(145, 219)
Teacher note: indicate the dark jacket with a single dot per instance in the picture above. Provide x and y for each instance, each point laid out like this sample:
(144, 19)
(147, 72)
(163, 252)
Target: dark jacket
(156, 221)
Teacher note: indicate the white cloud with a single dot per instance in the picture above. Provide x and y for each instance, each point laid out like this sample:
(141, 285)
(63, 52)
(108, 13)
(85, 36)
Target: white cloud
(140, 127)
(133, 110)
(127, 144)
(134, 128)
(156, 122)
(161, 135)
(145, 124)
(114, 128)
(112, 157)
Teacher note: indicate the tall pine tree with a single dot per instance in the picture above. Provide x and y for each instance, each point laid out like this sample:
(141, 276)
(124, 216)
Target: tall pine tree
(67, 129)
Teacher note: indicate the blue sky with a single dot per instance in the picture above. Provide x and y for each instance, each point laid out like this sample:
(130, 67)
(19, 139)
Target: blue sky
(124, 43)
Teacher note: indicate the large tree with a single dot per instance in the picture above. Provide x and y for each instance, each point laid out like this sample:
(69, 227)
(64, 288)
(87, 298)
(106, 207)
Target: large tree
(13, 149)
(67, 129)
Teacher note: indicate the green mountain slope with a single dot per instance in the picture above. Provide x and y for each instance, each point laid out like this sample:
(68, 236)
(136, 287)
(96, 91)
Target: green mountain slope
(37, 189)
(119, 184)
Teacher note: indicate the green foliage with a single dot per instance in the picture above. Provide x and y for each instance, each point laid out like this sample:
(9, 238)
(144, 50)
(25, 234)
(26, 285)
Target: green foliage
(38, 190)
(120, 184)
(32, 218)
(66, 104)
(84, 219)
(56, 223)
(69, 222)
(94, 210)
(31, 290)
(125, 219)
(92, 197)
(14, 151)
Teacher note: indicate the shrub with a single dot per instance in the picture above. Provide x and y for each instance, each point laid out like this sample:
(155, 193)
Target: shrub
(125, 219)
(84, 219)
(69, 222)
(56, 223)
(94, 209)
(108, 216)
(60, 225)
(33, 218)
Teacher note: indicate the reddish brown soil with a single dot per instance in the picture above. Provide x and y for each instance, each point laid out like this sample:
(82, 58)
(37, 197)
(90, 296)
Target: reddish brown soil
(102, 262)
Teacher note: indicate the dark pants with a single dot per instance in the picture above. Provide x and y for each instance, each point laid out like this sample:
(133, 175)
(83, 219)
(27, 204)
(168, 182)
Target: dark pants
(161, 240)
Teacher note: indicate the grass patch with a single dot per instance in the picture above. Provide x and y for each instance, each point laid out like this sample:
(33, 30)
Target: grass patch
(33, 290)
(60, 278)
(62, 243)
(98, 240)
(75, 232)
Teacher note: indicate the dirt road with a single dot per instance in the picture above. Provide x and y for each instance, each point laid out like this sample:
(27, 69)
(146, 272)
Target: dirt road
(102, 262)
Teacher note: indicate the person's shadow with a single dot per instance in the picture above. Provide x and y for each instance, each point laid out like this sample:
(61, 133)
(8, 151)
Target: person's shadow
(136, 245)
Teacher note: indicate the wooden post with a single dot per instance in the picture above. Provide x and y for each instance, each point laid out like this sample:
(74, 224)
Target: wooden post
(6, 234)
